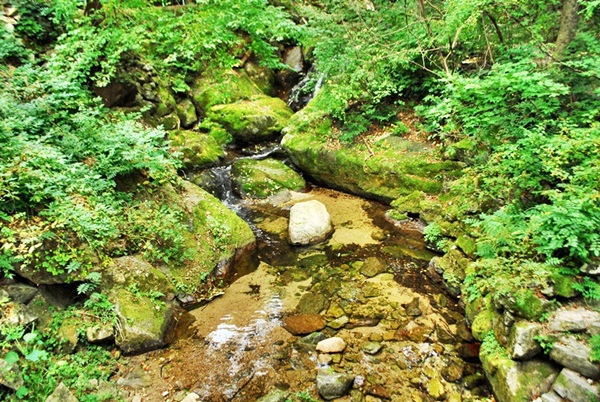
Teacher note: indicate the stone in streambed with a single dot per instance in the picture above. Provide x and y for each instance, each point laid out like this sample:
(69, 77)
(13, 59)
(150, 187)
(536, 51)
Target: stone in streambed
(264, 178)
(310, 223)
(303, 324)
(332, 385)
(331, 345)
(372, 266)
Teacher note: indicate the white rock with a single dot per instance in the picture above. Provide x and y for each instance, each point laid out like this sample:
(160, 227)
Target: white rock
(331, 345)
(191, 397)
(310, 223)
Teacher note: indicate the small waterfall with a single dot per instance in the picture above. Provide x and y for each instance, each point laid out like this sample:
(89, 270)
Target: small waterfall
(305, 90)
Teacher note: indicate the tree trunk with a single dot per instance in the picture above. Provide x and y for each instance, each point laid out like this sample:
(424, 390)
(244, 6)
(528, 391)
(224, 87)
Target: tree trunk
(568, 27)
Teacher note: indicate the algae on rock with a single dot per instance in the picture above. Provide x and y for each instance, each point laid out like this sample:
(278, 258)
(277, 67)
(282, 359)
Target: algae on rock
(264, 178)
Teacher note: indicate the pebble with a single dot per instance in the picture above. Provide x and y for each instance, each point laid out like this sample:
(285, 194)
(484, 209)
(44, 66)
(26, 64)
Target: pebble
(371, 348)
(331, 345)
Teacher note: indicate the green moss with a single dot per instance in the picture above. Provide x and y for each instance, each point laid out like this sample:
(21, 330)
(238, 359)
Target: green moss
(264, 178)
(233, 87)
(564, 285)
(260, 118)
(384, 170)
(197, 150)
(467, 245)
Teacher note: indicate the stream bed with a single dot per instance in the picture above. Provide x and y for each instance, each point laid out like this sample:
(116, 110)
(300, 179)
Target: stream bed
(406, 340)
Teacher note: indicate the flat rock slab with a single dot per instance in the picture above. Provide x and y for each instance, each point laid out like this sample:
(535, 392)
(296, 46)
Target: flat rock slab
(575, 355)
(574, 387)
(303, 324)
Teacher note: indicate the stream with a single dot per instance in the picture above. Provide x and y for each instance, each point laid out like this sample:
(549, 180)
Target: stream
(406, 340)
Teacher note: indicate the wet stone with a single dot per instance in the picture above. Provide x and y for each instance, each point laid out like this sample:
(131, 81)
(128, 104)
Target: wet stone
(371, 348)
(372, 267)
(335, 311)
(276, 395)
(378, 391)
(312, 303)
(338, 322)
(303, 324)
(436, 389)
(412, 309)
(332, 385)
(331, 345)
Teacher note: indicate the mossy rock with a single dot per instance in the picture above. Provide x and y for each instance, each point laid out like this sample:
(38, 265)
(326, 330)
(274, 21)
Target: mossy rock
(144, 322)
(514, 381)
(230, 88)
(260, 118)
(467, 244)
(216, 131)
(221, 239)
(384, 170)
(263, 178)
(564, 285)
(263, 77)
(452, 266)
(197, 150)
(522, 302)
(419, 203)
(166, 100)
(186, 111)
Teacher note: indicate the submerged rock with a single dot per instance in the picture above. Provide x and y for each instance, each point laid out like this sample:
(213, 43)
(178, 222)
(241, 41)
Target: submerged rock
(264, 178)
(332, 385)
(303, 324)
(310, 223)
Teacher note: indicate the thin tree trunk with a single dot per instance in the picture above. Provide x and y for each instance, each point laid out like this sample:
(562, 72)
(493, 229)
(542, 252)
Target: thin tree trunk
(568, 27)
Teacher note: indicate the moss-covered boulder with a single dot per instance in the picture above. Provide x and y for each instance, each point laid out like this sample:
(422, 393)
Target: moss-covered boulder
(386, 169)
(220, 240)
(452, 268)
(230, 88)
(139, 293)
(186, 111)
(514, 381)
(263, 178)
(257, 119)
(144, 322)
(197, 150)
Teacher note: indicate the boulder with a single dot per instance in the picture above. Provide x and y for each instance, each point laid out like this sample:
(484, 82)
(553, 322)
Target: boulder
(61, 394)
(303, 324)
(197, 150)
(10, 375)
(331, 345)
(264, 178)
(332, 385)
(145, 322)
(99, 333)
(186, 111)
(514, 381)
(21, 293)
(310, 223)
(230, 88)
(250, 121)
(574, 320)
(571, 353)
(390, 168)
(521, 342)
(574, 387)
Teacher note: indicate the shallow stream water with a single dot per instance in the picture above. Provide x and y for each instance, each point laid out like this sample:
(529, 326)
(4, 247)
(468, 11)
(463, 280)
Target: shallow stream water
(406, 339)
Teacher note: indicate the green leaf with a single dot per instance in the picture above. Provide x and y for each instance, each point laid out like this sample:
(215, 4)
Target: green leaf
(22, 391)
(11, 357)
(37, 355)
(29, 337)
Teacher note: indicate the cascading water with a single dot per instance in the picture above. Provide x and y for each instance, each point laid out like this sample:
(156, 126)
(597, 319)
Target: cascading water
(306, 89)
